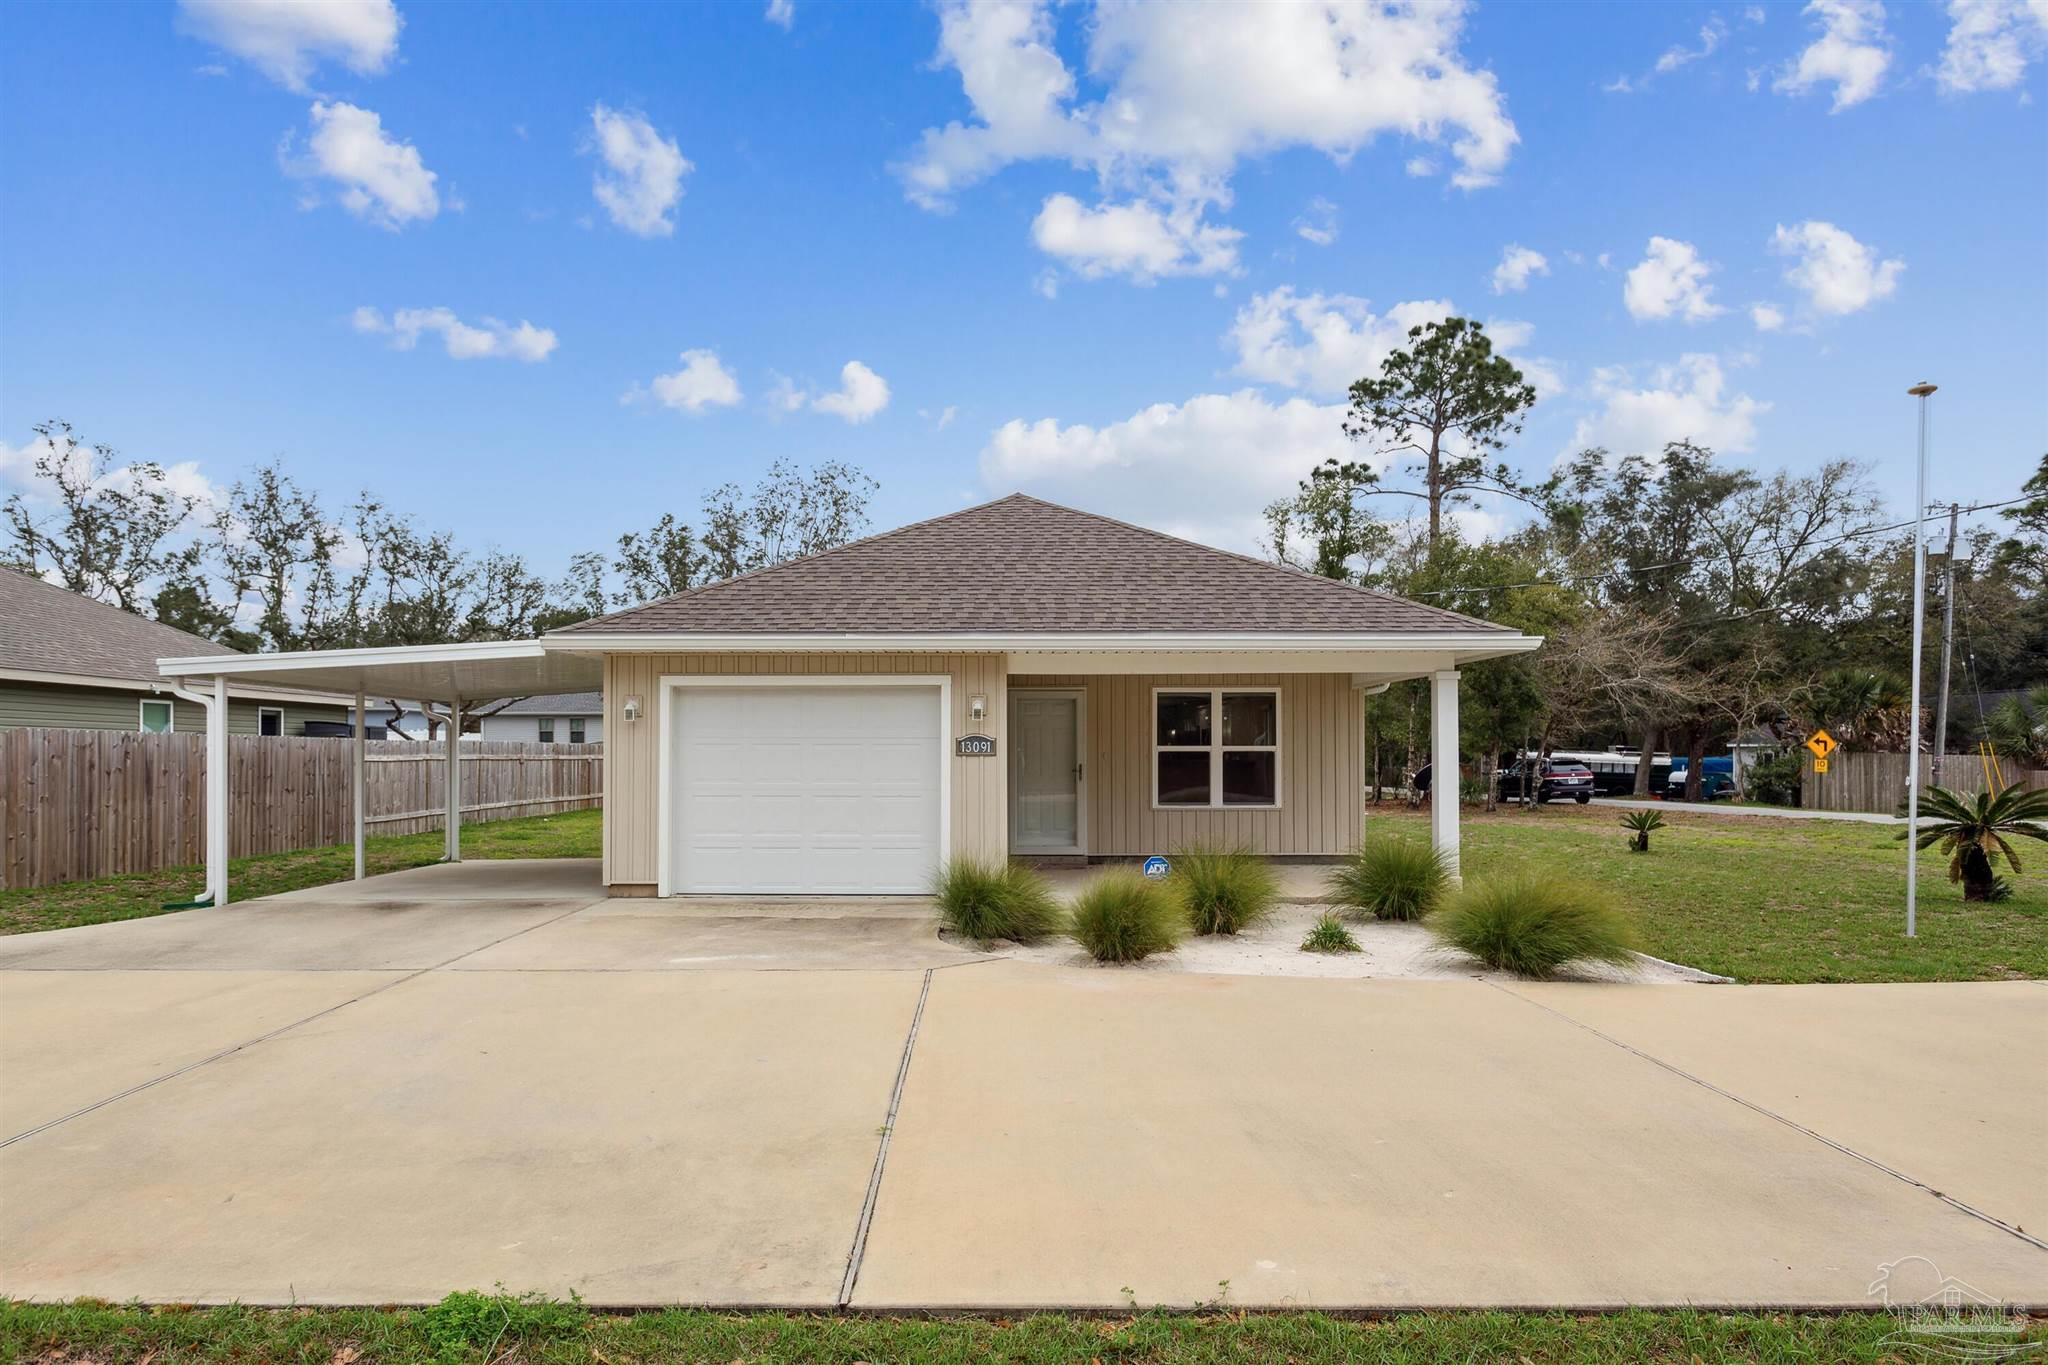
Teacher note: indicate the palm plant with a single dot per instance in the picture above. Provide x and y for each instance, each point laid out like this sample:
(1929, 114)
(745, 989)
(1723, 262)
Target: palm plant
(1973, 830)
(1640, 823)
(2018, 728)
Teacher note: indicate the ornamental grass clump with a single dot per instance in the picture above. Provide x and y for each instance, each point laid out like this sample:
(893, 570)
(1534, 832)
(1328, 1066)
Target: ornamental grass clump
(1532, 926)
(1222, 890)
(1122, 917)
(988, 901)
(1328, 935)
(1390, 878)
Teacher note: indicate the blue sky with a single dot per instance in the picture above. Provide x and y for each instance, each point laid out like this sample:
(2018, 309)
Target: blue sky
(1134, 279)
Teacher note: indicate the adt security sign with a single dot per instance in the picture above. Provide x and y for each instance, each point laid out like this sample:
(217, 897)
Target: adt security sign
(1157, 867)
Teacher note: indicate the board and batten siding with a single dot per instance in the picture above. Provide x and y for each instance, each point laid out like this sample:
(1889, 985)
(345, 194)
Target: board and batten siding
(980, 819)
(1322, 794)
(54, 706)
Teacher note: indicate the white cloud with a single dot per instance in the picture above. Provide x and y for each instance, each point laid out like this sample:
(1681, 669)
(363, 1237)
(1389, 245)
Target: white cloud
(702, 383)
(643, 172)
(1852, 52)
(1671, 279)
(287, 39)
(1517, 264)
(382, 180)
(781, 13)
(1420, 167)
(1321, 342)
(1837, 273)
(1136, 239)
(1204, 468)
(1319, 223)
(1688, 401)
(1768, 317)
(18, 474)
(488, 338)
(1991, 43)
(862, 393)
(1678, 55)
(1178, 105)
(941, 419)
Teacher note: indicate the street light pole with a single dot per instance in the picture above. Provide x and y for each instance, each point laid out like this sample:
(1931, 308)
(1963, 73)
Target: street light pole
(1922, 391)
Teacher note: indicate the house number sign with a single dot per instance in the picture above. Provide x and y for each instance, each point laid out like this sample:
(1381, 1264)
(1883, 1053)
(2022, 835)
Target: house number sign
(974, 746)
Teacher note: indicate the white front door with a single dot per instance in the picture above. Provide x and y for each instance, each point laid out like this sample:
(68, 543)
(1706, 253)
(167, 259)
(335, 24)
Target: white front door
(788, 790)
(1047, 771)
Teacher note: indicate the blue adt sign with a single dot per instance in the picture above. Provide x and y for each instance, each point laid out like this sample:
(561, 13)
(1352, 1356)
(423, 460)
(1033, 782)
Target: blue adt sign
(1156, 867)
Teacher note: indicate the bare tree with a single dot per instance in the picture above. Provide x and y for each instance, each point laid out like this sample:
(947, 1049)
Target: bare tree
(110, 535)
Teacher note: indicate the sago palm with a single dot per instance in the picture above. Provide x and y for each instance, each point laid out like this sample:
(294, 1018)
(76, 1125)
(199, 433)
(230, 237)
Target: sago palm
(1973, 829)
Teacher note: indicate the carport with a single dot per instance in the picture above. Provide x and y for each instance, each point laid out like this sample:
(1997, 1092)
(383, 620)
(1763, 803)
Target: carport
(443, 679)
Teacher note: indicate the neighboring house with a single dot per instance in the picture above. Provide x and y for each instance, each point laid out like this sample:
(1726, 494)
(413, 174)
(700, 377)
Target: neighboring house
(68, 662)
(1013, 678)
(565, 718)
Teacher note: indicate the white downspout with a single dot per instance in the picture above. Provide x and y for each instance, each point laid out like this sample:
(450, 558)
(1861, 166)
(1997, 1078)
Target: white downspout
(454, 819)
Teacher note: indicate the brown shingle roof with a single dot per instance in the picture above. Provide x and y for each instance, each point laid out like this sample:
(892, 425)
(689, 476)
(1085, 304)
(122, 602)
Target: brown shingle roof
(47, 629)
(1019, 564)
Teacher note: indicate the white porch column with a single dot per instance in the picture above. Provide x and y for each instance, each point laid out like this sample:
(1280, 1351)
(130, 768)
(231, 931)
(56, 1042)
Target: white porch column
(360, 747)
(454, 818)
(217, 793)
(1443, 765)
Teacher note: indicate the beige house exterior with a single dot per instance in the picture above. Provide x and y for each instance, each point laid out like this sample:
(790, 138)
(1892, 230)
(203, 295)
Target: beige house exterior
(1015, 679)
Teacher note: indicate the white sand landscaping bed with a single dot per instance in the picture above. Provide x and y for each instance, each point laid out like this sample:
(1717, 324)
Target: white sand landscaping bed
(1387, 951)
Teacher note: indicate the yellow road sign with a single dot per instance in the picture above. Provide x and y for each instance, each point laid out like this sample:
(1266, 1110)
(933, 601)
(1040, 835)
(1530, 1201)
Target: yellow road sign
(1820, 765)
(1822, 743)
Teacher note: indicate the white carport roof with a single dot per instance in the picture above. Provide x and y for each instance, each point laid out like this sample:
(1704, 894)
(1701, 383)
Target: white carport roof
(472, 672)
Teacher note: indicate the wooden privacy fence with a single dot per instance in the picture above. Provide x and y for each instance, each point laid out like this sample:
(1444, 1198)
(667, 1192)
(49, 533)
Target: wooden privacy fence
(77, 804)
(1877, 782)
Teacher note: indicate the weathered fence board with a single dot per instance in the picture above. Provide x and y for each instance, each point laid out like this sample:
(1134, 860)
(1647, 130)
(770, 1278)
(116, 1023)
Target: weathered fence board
(76, 804)
(1877, 782)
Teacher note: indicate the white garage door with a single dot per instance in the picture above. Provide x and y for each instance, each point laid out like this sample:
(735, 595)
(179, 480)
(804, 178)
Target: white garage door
(804, 789)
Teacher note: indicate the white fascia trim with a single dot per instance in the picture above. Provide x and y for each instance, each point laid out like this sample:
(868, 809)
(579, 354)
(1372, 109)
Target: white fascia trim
(229, 665)
(29, 675)
(1459, 642)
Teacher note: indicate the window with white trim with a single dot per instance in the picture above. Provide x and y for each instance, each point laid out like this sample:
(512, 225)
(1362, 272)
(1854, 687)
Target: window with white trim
(156, 716)
(1216, 747)
(576, 729)
(270, 720)
(547, 729)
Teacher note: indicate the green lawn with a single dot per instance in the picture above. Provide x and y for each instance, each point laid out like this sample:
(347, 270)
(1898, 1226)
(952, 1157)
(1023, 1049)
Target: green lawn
(578, 834)
(1760, 899)
(480, 1329)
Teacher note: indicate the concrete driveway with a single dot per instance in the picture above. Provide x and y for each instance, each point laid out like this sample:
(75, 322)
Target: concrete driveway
(464, 1076)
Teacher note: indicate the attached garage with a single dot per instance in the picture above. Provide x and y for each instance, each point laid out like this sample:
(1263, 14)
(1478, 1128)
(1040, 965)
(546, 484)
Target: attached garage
(803, 786)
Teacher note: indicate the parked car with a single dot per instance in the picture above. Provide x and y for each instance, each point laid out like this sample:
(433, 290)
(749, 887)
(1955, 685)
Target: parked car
(1717, 779)
(1554, 779)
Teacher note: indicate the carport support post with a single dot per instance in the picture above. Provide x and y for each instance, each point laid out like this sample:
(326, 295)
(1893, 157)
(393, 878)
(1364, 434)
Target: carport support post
(359, 745)
(217, 793)
(454, 818)
(1443, 766)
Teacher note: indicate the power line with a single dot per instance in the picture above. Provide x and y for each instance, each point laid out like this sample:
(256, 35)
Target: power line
(1702, 559)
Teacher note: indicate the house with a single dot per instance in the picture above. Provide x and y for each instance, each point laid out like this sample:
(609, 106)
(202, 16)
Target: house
(1014, 678)
(68, 662)
(564, 718)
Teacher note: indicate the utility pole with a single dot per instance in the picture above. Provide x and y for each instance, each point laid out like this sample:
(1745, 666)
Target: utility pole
(1948, 639)
(1922, 391)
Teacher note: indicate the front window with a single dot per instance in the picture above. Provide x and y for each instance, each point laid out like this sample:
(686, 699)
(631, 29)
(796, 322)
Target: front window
(269, 720)
(1216, 747)
(156, 716)
(576, 730)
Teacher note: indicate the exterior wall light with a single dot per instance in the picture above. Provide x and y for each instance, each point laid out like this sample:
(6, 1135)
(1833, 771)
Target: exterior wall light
(632, 710)
(977, 707)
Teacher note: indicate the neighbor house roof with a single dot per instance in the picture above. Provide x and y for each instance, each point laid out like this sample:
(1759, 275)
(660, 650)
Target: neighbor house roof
(559, 704)
(48, 629)
(1020, 564)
